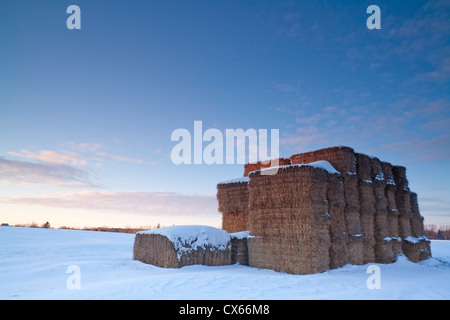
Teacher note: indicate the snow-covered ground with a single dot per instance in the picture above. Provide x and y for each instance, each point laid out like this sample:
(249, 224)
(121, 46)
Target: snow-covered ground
(34, 265)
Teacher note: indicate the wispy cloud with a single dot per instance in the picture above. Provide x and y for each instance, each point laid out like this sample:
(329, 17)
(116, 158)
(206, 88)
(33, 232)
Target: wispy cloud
(85, 146)
(436, 148)
(52, 157)
(106, 156)
(50, 174)
(133, 202)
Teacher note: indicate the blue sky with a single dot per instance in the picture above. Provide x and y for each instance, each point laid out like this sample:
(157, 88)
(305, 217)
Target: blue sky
(86, 115)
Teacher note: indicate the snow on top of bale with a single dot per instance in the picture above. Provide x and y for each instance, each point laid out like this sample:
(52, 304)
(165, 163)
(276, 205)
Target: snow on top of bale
(193, 237)
(240, 235)
(323, 164)
(237, 180)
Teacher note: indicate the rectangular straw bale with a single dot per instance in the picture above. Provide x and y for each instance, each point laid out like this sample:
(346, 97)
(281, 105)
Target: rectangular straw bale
(302, 223)
(367, 205)
(235, 222)
(384, 252)
(379, 185)
(351, 191)
(392, 211)
(339, 252)
(367, 198)
(298, 208)
(336, 206)
(402, 199)
(155, 249)
(290, 255)
(416, 249)
(290, 187)
(399, 173)
(341, 158)
(356, 249)
(160, 250)
(253, 166)
(417, 227)
(233, 197)
(363, 167)
(239, 250)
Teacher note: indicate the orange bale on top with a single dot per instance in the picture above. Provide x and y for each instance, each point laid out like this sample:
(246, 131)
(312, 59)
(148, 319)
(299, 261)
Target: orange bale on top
(253, 166)
(341, 158)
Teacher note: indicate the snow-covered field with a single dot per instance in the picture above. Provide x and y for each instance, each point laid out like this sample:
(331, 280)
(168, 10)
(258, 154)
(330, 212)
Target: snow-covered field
(34, 265)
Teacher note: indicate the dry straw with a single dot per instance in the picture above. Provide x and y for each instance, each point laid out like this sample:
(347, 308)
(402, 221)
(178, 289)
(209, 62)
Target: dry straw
(239, 248)
(392, 211)
(339, 252)
(417, 228)
(383, 248)
(402, 200)
(160, 251)
(290, 255)
(303, 219)
(253, 166)
(233, 204)
(341, 158)
(235, 222)
(367, 205)
(289, 220)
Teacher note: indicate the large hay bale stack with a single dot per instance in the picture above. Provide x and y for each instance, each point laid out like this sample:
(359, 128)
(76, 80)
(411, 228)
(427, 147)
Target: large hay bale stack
(178, 246)
(383, 247)
(367, 205)
(343, 160)
(289, 220)
(233, 204)
(392, 212)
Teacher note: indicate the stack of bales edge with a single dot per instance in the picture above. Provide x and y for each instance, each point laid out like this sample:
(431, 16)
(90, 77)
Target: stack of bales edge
(233, 204)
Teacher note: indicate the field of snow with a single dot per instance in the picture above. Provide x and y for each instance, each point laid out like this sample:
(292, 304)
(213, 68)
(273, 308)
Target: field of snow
(47, 263)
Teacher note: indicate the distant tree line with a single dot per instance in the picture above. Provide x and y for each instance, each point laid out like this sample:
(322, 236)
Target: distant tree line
(126, 229)
(436, 232)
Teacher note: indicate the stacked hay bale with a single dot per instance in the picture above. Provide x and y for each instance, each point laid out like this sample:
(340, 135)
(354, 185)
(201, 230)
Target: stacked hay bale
(289, 220)
(339, 252)
(343, 160)
(402, 200)
(393, 214)
(367, 205)
(415, 245)
(178, 246)
(233, 204)
(239, 247)
(418, 231)
(383, 245)
(253, 166)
